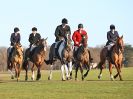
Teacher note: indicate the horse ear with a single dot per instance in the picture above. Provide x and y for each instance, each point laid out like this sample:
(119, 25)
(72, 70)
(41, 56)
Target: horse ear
(46, 38)
(122, 37)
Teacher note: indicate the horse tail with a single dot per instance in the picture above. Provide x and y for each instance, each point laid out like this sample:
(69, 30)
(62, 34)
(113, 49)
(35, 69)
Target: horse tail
(90, 58)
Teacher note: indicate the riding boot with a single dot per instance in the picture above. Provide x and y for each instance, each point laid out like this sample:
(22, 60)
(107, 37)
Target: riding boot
(10, 54)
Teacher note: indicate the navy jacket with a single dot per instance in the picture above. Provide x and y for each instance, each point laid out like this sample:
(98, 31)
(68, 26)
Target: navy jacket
(15, 38)
(62, 32)
(33, 39)
(112, 37)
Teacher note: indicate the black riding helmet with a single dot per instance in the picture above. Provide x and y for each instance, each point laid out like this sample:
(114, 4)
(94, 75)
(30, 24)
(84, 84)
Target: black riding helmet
(65, 21)
(112, 27)
(80, 26)
(16, 29)
(34, 29)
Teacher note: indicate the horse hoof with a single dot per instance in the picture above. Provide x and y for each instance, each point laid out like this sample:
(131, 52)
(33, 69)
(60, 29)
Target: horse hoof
(99, 77)
(63, 79)
(112, 79)
(32, 78)
(49, 78)
(121, 79)
(82, 78)
(12, 77)
(76, 79)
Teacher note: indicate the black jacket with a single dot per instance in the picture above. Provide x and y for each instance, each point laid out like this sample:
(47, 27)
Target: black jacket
(112, 37)
(33, 39)
(15, 39)
(62, 32)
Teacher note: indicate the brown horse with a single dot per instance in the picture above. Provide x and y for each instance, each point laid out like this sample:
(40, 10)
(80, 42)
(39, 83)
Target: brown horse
(16, 60)
(83, 58)
(115, 58)
(37, 58)
(66, 56)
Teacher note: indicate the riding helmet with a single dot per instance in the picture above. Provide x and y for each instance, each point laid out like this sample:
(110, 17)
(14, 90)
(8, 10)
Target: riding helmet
(80, 26)
(16, 29)
(34, 29)
(65, 21)
(112, 26)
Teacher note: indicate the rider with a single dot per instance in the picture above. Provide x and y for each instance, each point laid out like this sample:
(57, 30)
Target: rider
(34, 38)
(78, 37)
(62, 32)
(15, 38)
(112, 36)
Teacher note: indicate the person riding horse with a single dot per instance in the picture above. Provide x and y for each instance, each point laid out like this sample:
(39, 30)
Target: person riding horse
(15, 38)
(78, 37)
(33, 39)
(62, 32)
(112, 36)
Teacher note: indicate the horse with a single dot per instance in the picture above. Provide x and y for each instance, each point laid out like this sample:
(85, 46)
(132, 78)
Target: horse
(82, 58)
(37, 58)
(66, 56)
(115, 58)
(15, 61)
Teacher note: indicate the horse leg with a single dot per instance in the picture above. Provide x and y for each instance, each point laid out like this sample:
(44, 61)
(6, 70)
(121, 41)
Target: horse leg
(33, 73)
(50, 75)
(38, 73)
(76, 71)
(88, 69)
(16, 69)
(66, 69)
(62, 72)
(70, 69)
(118, 71)
(119, 66)
(110, 70)
(100, 65)
(25, 65)
(81, 70)
(10, 69)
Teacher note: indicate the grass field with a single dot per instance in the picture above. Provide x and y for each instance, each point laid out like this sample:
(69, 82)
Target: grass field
(91, 88)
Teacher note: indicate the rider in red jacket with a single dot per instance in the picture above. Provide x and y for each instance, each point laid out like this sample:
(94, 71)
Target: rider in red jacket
(77, 35)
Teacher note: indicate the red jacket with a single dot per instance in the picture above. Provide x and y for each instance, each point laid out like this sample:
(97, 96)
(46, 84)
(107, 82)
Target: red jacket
(77, 37)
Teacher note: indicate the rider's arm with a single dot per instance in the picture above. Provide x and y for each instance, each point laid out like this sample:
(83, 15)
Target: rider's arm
(57, 32)
(30, 39)
(19, 38)
(11, 38)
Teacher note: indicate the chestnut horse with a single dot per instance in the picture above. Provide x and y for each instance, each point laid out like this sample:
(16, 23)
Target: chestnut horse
(116, 58)
(16, 61)
(37, 58)
(83, 58)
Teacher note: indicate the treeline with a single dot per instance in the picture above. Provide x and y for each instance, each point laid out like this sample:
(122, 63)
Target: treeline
(95, 52)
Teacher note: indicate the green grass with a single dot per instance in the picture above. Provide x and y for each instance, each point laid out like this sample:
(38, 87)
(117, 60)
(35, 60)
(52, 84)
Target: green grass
(91, 88)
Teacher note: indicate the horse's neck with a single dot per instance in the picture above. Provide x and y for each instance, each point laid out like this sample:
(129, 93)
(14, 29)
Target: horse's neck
(41, 49)
(117, 49)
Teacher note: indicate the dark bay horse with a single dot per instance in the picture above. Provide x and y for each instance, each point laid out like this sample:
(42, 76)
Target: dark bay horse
(83, 58)
(115, 58)
(66, 55)
(37, 58)
(16, 61)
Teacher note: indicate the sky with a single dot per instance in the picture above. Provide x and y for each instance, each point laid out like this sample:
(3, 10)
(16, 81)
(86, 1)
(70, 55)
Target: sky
(95, 15)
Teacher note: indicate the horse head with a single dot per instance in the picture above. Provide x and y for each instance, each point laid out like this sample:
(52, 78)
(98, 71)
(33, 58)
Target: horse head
(120, 43)
(84, 40)
(43, 43)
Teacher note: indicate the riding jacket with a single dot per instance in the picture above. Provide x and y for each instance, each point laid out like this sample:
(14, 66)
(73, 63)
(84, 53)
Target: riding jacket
(111, 37)
(77, 37)
(62, 32)
(15, 38)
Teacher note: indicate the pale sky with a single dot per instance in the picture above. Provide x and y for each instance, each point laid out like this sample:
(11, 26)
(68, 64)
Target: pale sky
(96, 15)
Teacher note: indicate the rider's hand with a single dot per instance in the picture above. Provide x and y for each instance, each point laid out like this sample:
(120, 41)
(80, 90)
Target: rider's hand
(77, 42)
